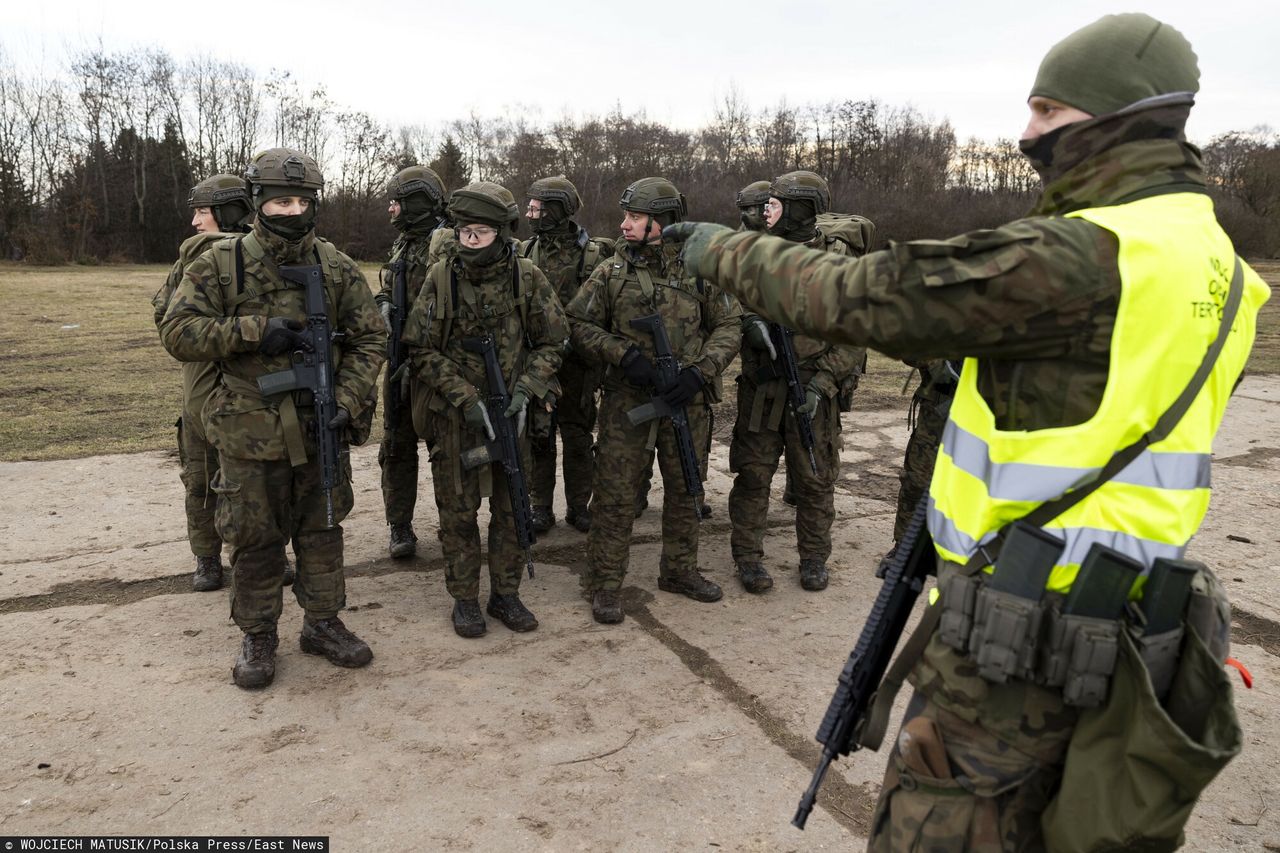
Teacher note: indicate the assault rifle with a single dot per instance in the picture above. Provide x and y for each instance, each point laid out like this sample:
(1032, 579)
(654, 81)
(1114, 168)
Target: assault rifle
(395, 347)
(313, 370)
(847, 715)
(786, 368)
(504, 448)
(667, 368)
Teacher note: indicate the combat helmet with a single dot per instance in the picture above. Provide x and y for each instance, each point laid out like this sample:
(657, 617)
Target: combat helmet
(227, 197)
(657, 197)
(753, 194)
(484, 202)
(417, 179)
(802, 186)
(283, 171)
(557, 189)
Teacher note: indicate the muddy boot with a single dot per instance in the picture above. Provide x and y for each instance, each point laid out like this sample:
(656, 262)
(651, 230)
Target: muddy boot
(256, 666)
(704, 511)
(886, 560)
(606, 608)
(467, 621)
(754, 578)
(543, 519)
(579, 518)
(208, 574)
(813, 575)
(329, 637)
(404, 542)
(290, 573)
(690, 584)
(510, 610)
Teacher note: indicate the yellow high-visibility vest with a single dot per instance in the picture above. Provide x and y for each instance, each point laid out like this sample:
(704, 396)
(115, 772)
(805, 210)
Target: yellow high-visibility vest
(1176, 265)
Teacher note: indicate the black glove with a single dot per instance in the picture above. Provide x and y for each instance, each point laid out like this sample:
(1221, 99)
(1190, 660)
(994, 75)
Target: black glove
(282, 336)
(687, 385)
(638, 369)
(340, 420)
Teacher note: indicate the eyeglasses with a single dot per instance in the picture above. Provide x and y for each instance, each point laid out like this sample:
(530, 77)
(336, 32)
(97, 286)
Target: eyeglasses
(476, 233)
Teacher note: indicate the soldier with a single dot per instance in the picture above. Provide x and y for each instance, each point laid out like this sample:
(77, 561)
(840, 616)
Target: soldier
(751, 200)
(566, 254)
(1080, 352)
(645, 276)
(487, 289)
(417, 204)
(767, 427)
(220, 206)
(234, 307)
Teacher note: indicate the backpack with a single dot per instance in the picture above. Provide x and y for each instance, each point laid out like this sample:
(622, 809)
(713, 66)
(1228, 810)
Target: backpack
(856, 232)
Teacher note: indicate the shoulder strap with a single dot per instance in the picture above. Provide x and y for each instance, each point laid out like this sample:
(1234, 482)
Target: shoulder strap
(878, 716)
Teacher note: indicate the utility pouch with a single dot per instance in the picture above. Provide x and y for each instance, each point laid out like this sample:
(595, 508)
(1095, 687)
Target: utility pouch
(1005, 633)
(1079, 655)
(959, 599)
(1159, 653)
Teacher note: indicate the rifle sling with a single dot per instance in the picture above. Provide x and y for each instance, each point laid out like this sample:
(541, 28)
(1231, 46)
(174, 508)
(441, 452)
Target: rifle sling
(873, 732)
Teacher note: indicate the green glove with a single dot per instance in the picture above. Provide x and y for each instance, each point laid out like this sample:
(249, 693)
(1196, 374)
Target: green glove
(477, 419)
(811, 400)
(519, 406)
(755, 334)
(696, 236)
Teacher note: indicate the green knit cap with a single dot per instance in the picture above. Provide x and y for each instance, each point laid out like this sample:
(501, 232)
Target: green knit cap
(1116, 61)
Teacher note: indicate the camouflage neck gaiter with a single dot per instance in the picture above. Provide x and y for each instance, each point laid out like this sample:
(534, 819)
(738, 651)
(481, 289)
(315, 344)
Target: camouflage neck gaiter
(292, 226)
(282, 250)
(1114, 159)
(478, 262)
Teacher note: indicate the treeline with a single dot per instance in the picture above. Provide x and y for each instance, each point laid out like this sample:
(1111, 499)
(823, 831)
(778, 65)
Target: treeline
(97, 157)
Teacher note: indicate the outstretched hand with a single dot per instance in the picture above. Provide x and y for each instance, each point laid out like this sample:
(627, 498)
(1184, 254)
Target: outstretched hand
(696, 237)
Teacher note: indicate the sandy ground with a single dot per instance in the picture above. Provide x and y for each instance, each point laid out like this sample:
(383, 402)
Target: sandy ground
(687, 727)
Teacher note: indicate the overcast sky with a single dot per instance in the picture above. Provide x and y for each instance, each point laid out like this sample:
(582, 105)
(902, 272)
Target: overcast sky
(971, 62)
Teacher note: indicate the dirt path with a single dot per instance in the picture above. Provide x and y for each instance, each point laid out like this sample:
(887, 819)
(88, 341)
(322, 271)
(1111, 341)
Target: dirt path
(687, 727)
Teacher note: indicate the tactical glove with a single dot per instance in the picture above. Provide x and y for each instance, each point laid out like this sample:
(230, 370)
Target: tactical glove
(519, 407)
(282, 335)
(637, 368)
(755, 334)
(696, 237)
(340, 420)
(386, 309)
(477, 418)
(811, 400)
(687, 385)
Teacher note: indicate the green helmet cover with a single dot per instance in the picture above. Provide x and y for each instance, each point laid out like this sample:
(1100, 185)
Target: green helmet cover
(657, 197)
(417, 179)
(279, 172)
(486, 203)
(753, 194)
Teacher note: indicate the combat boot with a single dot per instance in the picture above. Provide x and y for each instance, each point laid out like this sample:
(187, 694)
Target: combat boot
(788, 496)
(813, 575)
(290, 573)
(208, 574)
(704, 511)
(404, 542)
(642, 503)
(754, 578)
(579, 517)
(606, 608)
(256, 666)
(467, 620)
(690, 584)
(543, 519)
(510, 610)
(330, 638)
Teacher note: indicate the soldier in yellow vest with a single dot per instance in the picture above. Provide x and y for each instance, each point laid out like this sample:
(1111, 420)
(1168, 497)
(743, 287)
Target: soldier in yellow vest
(1102, 337)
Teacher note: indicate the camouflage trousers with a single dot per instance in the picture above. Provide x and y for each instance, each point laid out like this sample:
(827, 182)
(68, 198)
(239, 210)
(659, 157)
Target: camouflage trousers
(398, 459)
(261, 506)
(199, 465)
(754, 456)
(974, 765)
(458, 493)
(574, 418)
(622, 464)
(929, 416)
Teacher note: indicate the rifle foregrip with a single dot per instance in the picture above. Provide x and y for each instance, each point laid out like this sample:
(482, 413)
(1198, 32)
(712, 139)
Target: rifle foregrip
(278, 383)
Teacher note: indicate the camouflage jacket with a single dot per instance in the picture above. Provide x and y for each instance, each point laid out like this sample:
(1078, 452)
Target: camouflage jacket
(510, 300)
(567, 258)
(212, 317)
(413, 249)
(1036, 300)
(823, 365)
(703, 322)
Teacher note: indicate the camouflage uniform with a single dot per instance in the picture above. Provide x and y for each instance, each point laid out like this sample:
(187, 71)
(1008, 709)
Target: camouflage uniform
(704, 325)
(929, 407)
(398, 450)
(566, 254)
(510, 299)
(1036, 301)
(267, 494)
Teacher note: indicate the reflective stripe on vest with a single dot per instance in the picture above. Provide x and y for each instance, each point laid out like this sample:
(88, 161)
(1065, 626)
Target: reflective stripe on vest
(1175, 266)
